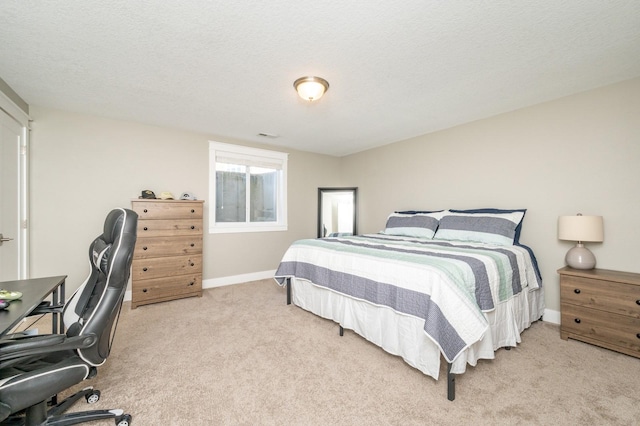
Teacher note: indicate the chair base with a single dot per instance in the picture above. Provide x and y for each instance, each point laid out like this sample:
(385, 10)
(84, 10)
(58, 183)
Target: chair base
(38, 414)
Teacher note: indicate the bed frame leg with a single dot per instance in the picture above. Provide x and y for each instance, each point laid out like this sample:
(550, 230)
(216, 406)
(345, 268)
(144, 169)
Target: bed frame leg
(288, 284)
(341, 331)
(451, 384)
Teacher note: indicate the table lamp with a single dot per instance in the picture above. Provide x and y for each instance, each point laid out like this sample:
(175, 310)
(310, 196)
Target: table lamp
(580, 228)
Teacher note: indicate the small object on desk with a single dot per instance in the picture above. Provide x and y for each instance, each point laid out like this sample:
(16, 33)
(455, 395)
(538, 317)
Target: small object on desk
(10, 295)
(4, 304)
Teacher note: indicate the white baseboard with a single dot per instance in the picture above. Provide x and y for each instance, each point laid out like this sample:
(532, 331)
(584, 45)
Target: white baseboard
(551, 316)
(548, 316)
(220, 282)
(237, 279)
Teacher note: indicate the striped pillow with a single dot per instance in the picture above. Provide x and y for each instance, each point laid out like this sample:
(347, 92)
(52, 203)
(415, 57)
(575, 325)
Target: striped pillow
(411, 225)
(489, 228)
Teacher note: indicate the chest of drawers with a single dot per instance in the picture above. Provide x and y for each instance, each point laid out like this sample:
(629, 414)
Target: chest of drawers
(601, 307)
(167, 260)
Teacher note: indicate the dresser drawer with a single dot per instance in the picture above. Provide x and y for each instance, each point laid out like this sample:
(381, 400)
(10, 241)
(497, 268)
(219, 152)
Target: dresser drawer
(163, 289)
(167, 246)
(169, 228)
(167, 209)
(600, 327)
(159, 267)
(608, 296)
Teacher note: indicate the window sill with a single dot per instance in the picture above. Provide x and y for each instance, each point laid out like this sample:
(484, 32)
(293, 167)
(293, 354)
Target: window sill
(238, 229)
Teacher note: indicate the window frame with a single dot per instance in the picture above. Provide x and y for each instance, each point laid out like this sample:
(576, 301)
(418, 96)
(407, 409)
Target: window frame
(275, 157)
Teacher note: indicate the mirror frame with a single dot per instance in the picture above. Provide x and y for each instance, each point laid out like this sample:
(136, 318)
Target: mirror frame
(322, 191)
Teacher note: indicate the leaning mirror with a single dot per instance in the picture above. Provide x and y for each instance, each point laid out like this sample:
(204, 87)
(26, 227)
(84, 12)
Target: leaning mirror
(337, 211)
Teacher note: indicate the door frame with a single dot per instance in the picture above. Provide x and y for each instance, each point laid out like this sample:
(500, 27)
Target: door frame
(14, 112)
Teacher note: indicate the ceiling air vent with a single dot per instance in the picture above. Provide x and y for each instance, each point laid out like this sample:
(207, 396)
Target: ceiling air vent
(268, 135)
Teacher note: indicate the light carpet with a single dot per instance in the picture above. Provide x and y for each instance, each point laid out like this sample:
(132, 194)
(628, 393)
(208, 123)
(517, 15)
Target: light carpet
(240, 356)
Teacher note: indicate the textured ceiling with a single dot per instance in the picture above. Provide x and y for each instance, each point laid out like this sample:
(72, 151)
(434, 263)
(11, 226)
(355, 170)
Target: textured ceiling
(397, 68)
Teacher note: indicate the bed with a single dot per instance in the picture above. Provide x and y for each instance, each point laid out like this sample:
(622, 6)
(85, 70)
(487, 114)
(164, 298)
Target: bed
(453, 285)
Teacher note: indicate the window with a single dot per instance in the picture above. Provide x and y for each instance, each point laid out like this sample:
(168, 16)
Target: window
(248, 188)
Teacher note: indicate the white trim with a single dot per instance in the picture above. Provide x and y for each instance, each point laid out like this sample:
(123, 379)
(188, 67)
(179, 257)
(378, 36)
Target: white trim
(12, 115)
(551, 316)
(280, 158)
(237, 279)
(14, 110)
(224, 281)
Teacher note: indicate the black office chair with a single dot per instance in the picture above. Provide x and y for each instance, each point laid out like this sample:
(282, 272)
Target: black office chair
(33, 369)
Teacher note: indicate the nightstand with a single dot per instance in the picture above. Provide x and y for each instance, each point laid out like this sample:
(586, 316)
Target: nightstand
(601, 307)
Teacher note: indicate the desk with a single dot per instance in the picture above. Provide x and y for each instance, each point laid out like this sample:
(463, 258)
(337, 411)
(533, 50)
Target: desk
(33, 291)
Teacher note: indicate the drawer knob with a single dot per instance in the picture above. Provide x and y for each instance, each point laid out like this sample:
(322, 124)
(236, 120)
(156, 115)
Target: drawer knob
(191, 283)
(144, 269)
(145, 228)
(577, 320)
(145, 210)
(144, 290)
(576, 291)
(193, 264)
(638, 302)
(144, 248)
(193, 211)
(638, 335)
(193, 227)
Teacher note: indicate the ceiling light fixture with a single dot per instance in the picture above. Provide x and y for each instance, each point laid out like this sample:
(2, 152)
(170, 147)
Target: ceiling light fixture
(311, 88)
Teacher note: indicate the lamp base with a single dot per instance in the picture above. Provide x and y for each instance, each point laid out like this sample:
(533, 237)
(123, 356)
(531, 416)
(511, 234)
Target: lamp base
(580, 257)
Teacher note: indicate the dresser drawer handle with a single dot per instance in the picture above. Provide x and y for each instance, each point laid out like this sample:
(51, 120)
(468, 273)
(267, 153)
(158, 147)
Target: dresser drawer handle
(577, 320)
(193, 264)
(144, 269)
(193, 245)
(638, 302)
(144, 290)
(145, 210)
(144, 248)
(193, 227)
(576, 291)
(192, 283)
(638, 335)
(193, 211)
(145, 228)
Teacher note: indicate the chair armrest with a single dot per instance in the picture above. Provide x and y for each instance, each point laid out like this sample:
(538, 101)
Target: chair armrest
(46, 308)
(28, 346)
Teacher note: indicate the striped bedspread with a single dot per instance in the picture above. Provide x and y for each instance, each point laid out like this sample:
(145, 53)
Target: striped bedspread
(448, 284)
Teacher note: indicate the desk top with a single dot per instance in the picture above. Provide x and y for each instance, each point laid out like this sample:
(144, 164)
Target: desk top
(34, 291)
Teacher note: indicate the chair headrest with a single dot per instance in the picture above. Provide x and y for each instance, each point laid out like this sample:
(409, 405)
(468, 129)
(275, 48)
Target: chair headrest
(112, 225)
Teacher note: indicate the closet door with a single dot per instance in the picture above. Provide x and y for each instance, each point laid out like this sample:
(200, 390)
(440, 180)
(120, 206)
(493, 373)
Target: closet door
(13, 250)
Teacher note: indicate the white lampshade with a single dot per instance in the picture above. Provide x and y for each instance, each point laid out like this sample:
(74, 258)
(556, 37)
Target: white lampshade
(311, 88)
(581, 228)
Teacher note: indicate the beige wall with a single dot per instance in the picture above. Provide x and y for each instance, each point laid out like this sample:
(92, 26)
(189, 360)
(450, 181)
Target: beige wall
(576, 154)
(82, 166)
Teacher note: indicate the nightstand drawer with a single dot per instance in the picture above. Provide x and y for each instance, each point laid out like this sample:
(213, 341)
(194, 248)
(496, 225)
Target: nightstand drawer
(608, 296)
(600, 327)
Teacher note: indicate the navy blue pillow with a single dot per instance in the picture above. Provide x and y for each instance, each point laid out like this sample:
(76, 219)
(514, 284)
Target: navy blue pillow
(419, 211)
(516, 238)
